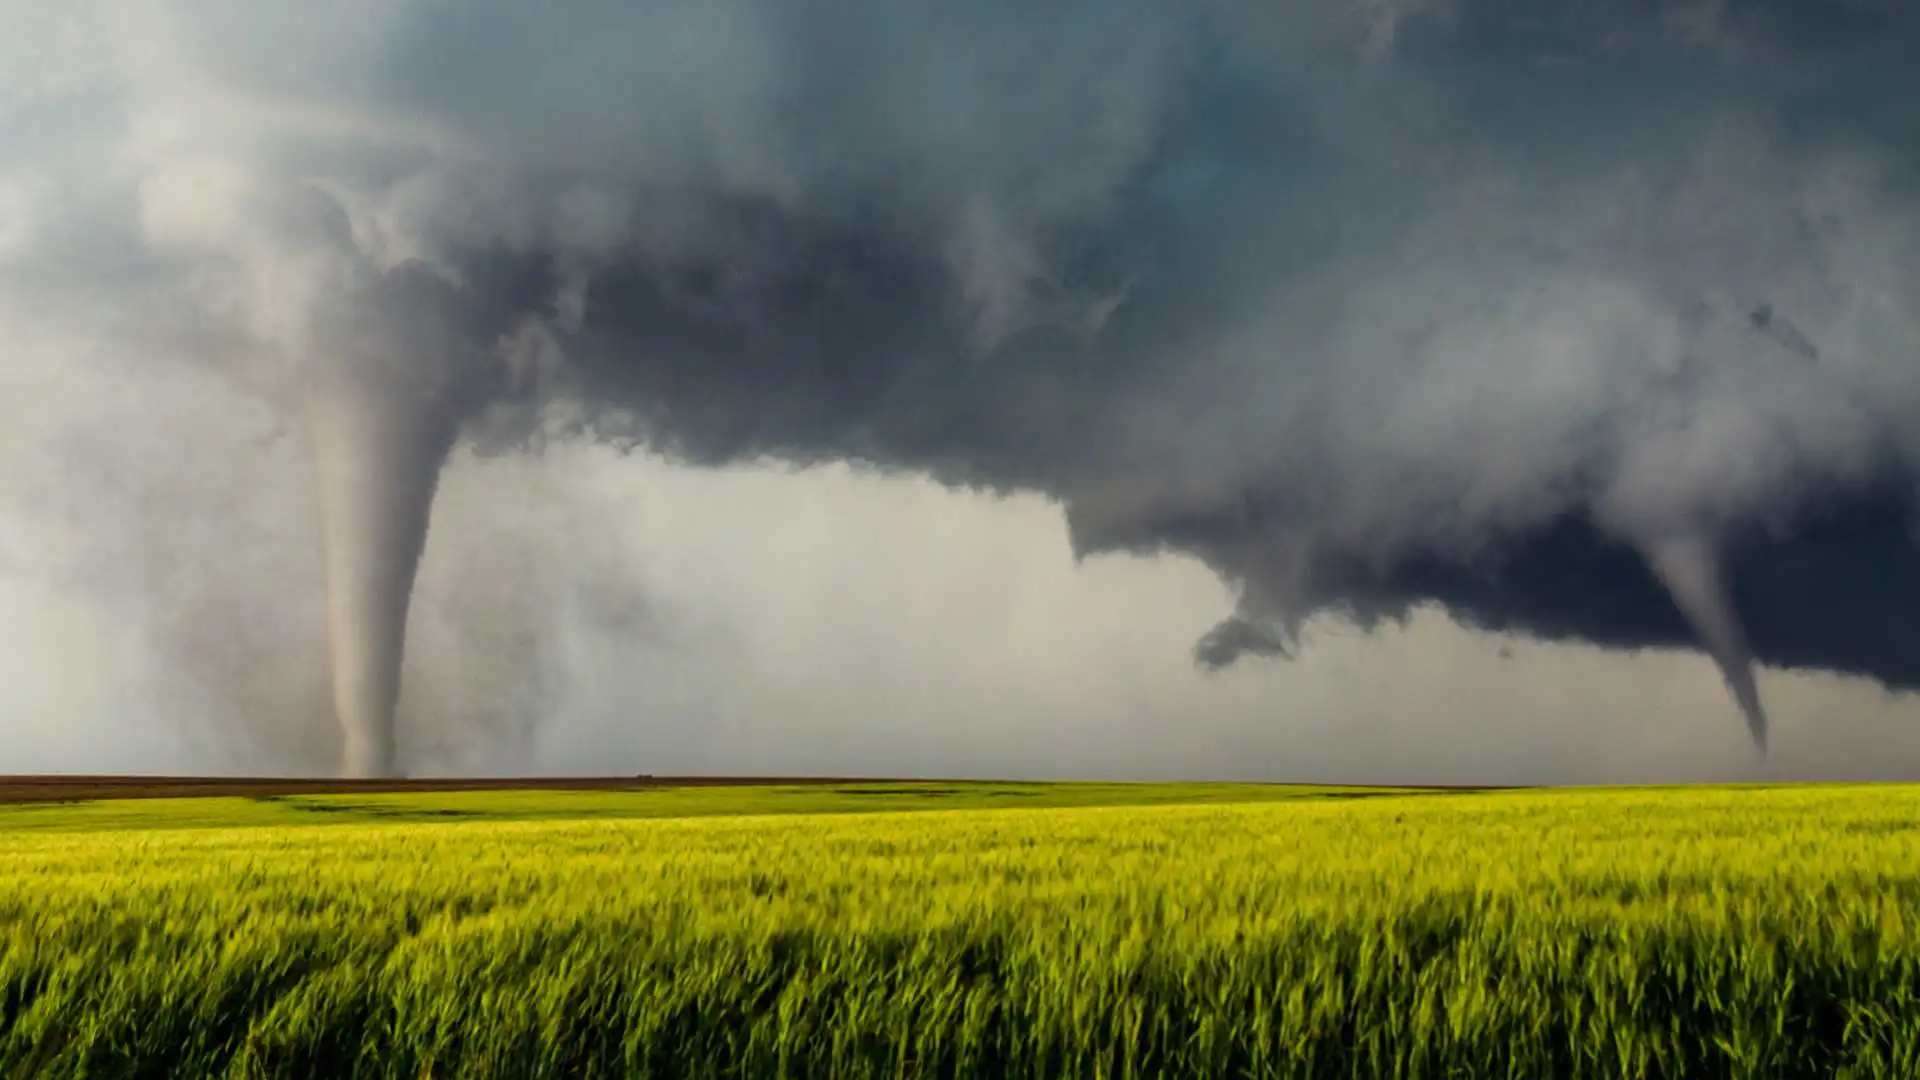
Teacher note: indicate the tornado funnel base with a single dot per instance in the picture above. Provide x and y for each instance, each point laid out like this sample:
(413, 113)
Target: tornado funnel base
(368, 760)
(377, 454)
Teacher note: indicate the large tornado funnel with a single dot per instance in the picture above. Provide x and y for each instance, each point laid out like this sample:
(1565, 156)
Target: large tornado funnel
(377, 453)
(1689, 566)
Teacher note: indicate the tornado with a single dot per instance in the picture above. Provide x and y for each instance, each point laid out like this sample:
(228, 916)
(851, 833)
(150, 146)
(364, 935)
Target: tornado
(1689, 567)
(1367, 314)
(377, 451)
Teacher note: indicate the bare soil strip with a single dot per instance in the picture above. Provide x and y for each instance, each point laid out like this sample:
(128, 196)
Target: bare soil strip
(76, 788)
(16, 789)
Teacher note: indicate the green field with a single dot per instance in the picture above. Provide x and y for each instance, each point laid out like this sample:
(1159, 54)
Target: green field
(1230, 932)
(667, 802)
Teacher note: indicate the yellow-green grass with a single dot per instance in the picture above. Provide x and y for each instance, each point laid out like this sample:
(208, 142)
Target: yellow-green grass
(1698, 933)
(533, 804)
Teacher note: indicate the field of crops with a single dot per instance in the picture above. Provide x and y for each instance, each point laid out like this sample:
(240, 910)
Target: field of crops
(1698, 933)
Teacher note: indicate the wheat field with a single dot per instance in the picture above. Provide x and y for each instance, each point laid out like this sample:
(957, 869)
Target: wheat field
(1739, 932)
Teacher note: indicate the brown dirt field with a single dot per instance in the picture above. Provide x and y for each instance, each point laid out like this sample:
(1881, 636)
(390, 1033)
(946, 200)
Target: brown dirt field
(16, 789)
(70, 788)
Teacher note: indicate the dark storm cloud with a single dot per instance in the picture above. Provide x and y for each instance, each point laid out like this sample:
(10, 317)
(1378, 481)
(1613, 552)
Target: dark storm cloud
(1369, 305)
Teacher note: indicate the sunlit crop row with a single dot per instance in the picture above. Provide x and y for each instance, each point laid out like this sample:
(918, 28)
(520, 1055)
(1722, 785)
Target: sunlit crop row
(1722, 932)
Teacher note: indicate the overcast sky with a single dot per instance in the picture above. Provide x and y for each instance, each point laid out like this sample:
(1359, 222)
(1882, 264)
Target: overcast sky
(586, 612)
(1595, 323)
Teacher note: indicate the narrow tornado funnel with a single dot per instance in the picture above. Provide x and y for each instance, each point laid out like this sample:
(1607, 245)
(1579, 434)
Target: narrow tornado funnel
(377, 454)
(1689, 566)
